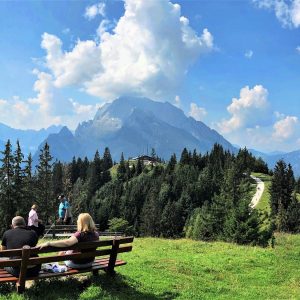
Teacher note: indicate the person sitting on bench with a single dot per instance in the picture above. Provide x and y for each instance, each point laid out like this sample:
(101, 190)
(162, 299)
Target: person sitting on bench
(86, 232)
(16, 238)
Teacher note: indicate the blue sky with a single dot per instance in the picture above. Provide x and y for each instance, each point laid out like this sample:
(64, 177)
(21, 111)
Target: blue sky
(235, 65)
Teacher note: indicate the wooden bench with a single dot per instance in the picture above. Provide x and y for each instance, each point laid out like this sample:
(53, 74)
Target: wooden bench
(58, 230)
(105, 259)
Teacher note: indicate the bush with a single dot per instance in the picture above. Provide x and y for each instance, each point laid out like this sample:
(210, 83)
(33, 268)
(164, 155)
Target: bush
(120, 225)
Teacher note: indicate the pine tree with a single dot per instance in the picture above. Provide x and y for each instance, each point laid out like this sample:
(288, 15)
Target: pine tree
(29, 183)
(121, 170)
(44, 171)
(74, 171)
(139, 167)
(57, 179)
(95, 179)
(7, 207)
(185, 157)
(107, 160)
(18, 179)
(83, 169)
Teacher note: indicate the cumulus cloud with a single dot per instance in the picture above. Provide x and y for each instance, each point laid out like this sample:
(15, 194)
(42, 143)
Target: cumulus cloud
(249, 54)
(250, 110)
(71, 68)
(286, 11)
(47, 108)
(286, 128)
(147, 53)
(92, 11)
(197, 112)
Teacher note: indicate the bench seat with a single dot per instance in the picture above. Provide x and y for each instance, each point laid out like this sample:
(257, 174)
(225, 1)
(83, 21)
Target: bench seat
(99, 264)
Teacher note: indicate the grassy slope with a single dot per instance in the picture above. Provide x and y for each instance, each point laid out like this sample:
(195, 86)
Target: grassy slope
(185, 269)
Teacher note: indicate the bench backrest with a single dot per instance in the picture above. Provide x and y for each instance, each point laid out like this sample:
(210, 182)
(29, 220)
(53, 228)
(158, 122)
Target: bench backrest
(109, 247)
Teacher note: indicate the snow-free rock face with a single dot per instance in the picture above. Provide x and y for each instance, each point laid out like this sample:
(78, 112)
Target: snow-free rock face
(133, 126)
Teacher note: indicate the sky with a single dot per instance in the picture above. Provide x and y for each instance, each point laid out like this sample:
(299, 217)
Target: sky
(234, 65)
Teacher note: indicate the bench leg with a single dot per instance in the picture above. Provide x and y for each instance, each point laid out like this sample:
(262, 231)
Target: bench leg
(20, 288)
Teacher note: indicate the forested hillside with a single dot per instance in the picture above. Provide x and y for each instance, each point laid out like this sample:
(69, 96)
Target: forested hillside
(203, 197)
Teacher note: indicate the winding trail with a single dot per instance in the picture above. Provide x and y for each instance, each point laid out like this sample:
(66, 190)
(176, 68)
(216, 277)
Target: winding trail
(259, 191)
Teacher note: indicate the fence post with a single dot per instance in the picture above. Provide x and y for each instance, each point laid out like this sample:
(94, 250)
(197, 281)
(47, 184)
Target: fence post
(22, 276)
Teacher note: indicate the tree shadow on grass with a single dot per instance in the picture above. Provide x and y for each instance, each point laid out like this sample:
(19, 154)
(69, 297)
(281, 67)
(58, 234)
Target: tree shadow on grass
(87, 288)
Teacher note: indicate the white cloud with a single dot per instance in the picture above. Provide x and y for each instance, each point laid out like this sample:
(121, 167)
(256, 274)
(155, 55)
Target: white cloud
(285, 128)
(147, 53)
(75, 67)
(197, 112)
(249, 54)
(92, 11)
(177, 101)
(249, 110)
(286, 11)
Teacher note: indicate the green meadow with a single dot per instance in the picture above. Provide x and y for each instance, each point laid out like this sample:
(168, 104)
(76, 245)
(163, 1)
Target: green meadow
(185, 269)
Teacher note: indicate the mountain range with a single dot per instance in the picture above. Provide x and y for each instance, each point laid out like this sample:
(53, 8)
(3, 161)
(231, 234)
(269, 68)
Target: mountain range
(29, 139)
(134, 126)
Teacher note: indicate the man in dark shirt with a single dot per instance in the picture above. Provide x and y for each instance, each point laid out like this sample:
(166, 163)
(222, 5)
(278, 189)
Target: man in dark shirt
(16, 238)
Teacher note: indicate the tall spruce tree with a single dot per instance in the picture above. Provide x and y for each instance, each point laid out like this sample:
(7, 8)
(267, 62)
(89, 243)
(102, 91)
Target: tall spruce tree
(121, 170)
(57, 179)
(18, 179)
(44, 172)
(7, 207)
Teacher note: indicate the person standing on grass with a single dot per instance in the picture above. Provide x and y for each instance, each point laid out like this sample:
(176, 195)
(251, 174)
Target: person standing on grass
(64, 210)
(86, 232)
(34, 223)
(16, 238)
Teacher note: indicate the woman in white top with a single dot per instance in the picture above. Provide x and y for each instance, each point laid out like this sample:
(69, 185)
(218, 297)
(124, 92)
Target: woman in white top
(34, 223)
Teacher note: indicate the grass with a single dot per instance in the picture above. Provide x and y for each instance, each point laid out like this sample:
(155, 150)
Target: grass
(185, 269)
(264, 203)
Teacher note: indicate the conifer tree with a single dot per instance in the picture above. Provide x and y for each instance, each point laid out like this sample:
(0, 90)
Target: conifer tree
(83, 170)
(57, 179)
(18, 179)
(29, 183)
(185, 157)
(107, 160)
(139, 167)
(44, 171)
(95, 180)
(121, 170)
(7, 208)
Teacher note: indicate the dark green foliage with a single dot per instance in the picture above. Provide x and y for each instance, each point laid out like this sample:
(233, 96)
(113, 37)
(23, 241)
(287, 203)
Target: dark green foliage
(121, 171)
(204, 197)
(7, 207)
(57, 179)
(281, 191)
(44, 180)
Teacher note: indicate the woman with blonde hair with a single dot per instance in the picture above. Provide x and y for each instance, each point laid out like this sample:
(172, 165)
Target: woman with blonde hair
(86, 232)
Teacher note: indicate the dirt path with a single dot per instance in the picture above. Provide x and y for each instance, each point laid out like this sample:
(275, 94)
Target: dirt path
(259, 191)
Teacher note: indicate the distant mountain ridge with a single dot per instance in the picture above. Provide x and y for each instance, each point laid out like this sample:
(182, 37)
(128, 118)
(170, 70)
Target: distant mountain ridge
(134, 125)
(29, 139)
